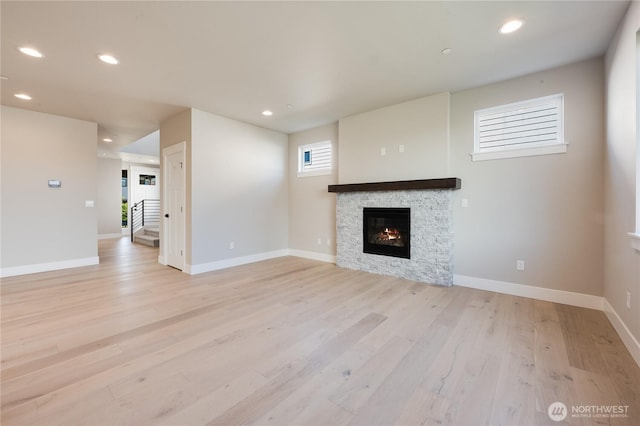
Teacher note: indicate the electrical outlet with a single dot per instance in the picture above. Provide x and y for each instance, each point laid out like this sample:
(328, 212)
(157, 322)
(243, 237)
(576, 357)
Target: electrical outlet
(232, 245)
(464, 203)
(520, 265)
(319, 241)
(628, 300)
(328, 241)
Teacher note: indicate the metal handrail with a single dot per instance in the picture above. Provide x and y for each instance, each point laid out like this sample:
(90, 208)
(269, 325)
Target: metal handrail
(144, 213)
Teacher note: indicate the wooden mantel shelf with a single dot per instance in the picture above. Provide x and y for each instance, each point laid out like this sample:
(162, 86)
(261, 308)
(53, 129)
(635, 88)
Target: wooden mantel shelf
(400, 185)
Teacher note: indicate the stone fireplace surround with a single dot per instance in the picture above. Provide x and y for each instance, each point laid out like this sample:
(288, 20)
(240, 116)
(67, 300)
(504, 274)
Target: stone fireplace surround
(431, 204)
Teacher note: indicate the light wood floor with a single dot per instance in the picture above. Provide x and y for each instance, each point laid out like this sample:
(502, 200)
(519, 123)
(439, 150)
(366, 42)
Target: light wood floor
(294, 341)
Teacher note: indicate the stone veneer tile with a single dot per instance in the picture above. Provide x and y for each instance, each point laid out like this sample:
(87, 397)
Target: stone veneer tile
(431, 234)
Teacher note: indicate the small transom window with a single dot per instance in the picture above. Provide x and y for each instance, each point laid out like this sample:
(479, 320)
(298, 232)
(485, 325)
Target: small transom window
(314, 159)
(531, 127)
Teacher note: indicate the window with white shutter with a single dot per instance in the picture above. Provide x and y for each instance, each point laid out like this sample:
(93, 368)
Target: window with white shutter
(314, 159)
(532, 127)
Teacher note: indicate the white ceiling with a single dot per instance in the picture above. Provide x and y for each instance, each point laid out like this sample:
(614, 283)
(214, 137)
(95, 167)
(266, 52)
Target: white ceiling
(327, 60)
(145, 150)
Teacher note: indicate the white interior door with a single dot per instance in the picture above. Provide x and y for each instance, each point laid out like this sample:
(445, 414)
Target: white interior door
(174, 206)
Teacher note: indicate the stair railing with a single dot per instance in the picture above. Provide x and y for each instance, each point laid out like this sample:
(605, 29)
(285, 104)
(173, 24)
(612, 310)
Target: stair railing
(144, 213)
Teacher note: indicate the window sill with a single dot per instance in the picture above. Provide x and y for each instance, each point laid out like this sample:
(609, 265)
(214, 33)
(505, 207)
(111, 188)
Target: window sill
(524, 152)
(314, 173)
(635, 240)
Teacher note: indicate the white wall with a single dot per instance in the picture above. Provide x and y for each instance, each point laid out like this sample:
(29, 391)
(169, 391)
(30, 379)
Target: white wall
(44, 228)
(421, 125)
(138, 192)
(109, 197)
(546, 210)
(622, 264)
(239, 190)
(312, 209)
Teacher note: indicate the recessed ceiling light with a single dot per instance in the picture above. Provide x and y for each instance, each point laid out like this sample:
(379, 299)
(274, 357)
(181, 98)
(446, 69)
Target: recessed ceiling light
(30, 51)
(446, 51)
(23, 96)
(108, 59)
(511, 26)
(267, 113)
(107, 140)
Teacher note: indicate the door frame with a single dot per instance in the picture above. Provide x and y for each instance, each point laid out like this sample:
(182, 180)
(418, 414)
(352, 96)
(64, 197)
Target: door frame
(180, 147)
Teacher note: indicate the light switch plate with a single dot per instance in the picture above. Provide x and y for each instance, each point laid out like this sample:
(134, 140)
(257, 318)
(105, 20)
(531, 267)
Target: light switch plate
(54, 183)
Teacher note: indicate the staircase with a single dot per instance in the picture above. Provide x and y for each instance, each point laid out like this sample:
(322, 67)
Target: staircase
(145, 222)
(148, 235)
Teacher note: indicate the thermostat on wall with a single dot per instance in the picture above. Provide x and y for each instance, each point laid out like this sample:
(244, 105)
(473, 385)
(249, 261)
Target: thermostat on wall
(55, 183)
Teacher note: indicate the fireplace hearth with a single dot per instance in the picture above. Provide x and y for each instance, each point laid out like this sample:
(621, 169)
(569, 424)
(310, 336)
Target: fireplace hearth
(387, 231)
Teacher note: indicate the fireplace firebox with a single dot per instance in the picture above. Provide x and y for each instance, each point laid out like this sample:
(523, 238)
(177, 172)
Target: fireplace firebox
(387, 231)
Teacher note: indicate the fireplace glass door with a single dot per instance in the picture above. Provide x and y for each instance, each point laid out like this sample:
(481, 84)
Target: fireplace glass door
(386, 231)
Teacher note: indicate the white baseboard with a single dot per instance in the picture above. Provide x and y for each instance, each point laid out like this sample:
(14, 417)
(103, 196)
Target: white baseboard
(49, 266)
(540, 293)
(628, 339)
(329, 258)
(236, 261)
(109, 236)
